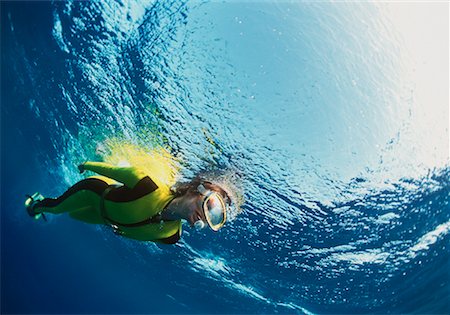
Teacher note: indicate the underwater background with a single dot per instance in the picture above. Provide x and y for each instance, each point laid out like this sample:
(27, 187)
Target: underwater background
(328, 121)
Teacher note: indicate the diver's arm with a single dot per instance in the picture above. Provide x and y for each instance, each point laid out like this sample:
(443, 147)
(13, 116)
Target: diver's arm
(129, 176)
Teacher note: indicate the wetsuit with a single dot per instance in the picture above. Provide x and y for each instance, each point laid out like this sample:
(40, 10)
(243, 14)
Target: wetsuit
(125, 198)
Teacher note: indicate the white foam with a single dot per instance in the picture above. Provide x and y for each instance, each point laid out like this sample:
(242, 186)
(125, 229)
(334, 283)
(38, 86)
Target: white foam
(387, 218)
(371, 256)
(431, 237)
(214, 266)
(218, 269)
(58, 33)
(249, 291)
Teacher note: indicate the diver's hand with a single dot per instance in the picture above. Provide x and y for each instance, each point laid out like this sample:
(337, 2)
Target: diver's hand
(81, 168)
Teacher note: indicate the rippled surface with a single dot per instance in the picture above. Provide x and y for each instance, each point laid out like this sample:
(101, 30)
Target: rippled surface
(315, 112)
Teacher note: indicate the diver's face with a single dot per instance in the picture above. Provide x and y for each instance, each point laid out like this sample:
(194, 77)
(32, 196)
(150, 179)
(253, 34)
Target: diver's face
(193, 205)
(194, 208)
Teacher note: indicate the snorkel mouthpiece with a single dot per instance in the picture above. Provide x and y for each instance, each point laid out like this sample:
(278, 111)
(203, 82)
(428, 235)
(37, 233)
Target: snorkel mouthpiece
(199, 225)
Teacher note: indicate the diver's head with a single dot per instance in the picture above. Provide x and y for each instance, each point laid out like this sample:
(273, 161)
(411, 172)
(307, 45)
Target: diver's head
(205, 203)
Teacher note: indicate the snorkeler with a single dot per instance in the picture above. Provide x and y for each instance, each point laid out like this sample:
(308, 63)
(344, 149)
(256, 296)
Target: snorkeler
(134, 206)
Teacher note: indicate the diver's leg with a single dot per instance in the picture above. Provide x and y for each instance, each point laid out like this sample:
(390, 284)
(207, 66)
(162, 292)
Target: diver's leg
(87, 214)
(86, 193)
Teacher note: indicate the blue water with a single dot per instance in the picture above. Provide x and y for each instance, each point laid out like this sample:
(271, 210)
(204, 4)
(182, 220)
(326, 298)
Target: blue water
(315, 111)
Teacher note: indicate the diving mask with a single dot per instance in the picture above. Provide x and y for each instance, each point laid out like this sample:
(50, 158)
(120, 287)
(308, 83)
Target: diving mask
(214, 208)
